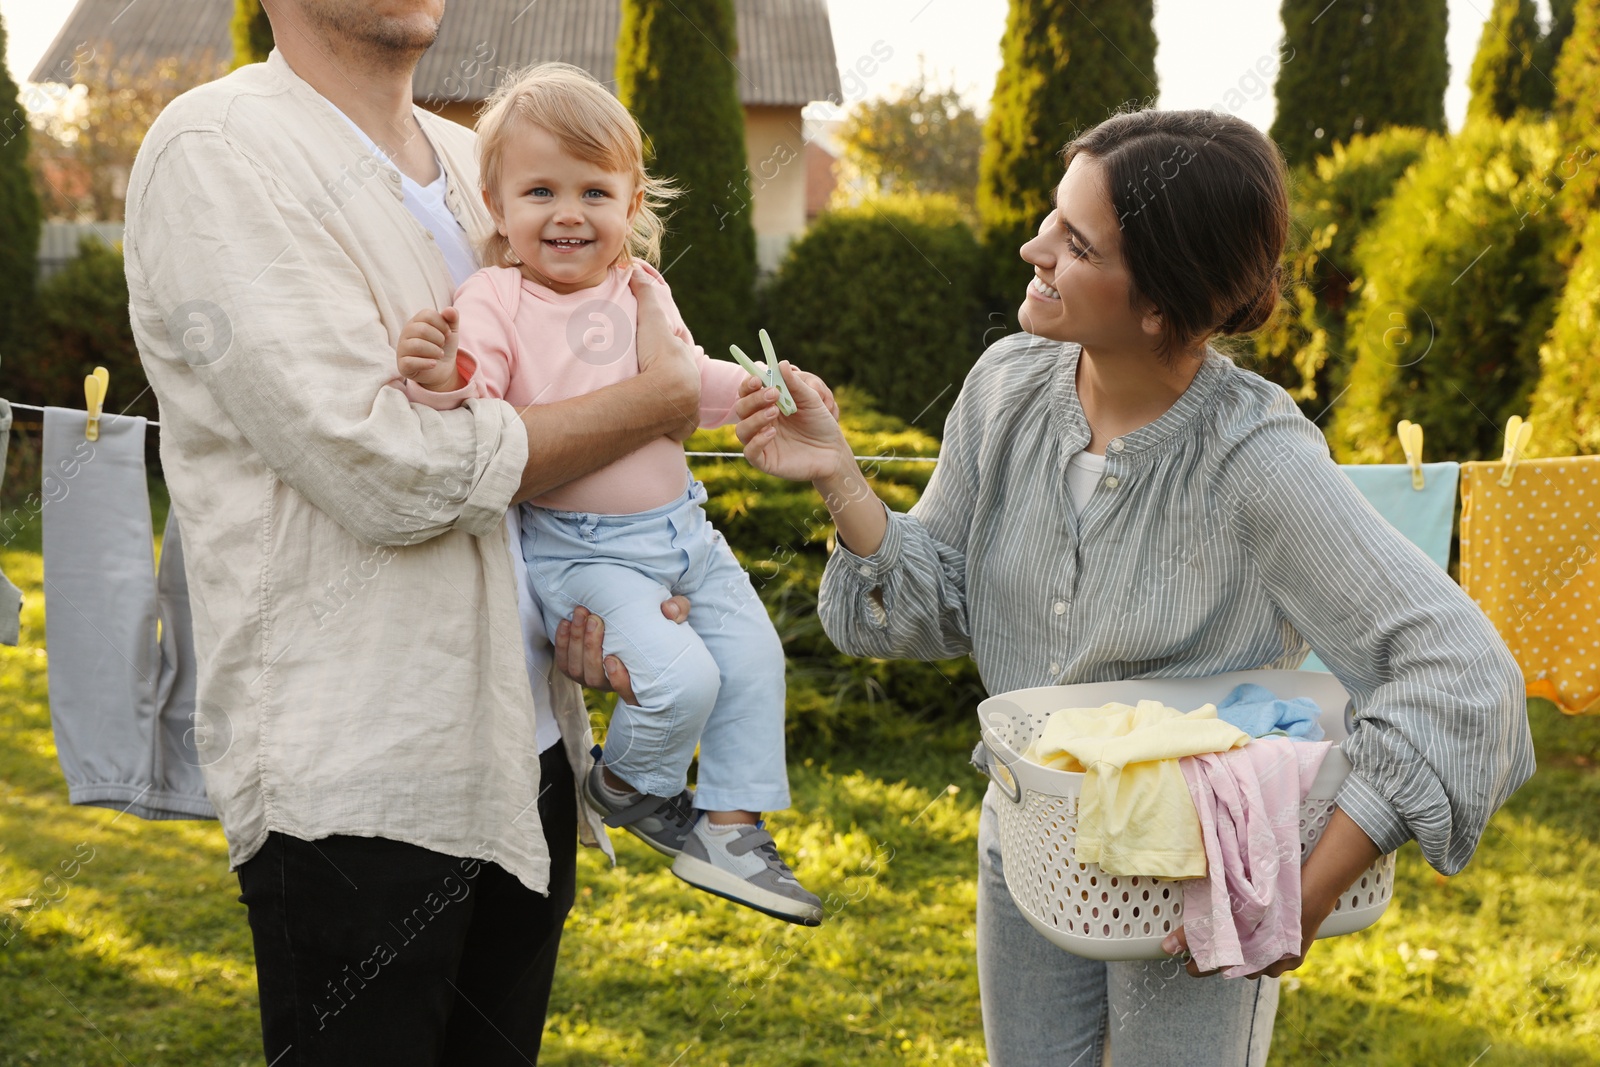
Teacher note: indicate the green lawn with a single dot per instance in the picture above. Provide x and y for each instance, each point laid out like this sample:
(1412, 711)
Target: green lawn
(127, 943)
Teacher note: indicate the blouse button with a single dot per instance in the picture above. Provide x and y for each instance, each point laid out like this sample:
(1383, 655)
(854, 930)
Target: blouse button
(1055, 669)
(866, 571)
(1111, 481)
(1117, 445)
(1061, 607)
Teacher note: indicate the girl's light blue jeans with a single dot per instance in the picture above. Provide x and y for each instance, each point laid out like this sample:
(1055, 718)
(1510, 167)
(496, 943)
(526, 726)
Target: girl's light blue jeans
(1045, 1007)
(716, 680)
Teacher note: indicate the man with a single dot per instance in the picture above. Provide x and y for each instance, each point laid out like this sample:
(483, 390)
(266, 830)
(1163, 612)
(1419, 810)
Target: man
(400, 809)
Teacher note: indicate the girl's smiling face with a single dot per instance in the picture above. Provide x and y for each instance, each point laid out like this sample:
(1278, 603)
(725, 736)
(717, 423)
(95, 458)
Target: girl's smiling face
(567, 219)
(1082, 290)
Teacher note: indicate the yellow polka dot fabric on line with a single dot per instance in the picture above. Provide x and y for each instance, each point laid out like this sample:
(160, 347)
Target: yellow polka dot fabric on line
(1529, 558)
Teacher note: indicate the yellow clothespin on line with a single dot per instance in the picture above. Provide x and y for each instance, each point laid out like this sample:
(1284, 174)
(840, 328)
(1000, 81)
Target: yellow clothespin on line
(94, 399)
(1517, 433)
(1411, 442)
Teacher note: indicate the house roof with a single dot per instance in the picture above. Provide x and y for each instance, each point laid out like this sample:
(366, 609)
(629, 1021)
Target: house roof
(785, 55)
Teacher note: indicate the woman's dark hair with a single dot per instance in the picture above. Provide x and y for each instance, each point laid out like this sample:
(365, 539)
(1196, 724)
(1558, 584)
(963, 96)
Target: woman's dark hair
(1202, 201)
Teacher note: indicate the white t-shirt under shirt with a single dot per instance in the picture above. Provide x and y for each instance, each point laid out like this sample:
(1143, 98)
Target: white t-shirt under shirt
(1083, 474)
(428, 206)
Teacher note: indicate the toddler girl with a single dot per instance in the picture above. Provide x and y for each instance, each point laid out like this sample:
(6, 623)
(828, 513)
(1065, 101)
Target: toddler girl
(551, 316)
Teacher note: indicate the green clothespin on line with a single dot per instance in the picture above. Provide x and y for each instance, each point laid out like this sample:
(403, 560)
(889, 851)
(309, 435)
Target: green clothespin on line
(768, 375)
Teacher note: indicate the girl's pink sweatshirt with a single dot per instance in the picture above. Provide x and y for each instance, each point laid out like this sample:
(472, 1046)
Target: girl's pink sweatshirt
(526, 344)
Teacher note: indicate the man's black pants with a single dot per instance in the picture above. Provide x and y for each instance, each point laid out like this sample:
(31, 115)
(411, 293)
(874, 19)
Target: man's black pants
(372, 951)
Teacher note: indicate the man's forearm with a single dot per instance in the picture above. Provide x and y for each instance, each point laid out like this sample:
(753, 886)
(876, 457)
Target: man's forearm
(571, 438)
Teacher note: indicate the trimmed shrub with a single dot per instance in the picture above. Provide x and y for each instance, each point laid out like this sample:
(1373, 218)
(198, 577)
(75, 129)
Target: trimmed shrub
(1502, 71)
(884, 296)
(1332, 204)
(1458, 290)
(19, 217)
(1358, 67)
(1065, 65)
(780, 531)
(1566, 403)
(81, 321)
(675, 73)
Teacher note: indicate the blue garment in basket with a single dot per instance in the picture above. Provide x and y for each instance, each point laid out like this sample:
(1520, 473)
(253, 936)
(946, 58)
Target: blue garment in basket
(1258, 712)
(1425, 516)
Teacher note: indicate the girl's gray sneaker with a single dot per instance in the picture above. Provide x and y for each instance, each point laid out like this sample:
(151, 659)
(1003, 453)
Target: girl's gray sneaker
(741, 863)
(660, 822)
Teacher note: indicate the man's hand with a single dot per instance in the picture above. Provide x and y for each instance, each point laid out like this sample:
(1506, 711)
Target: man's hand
(580, 649)
(426, 353)
(666, 360)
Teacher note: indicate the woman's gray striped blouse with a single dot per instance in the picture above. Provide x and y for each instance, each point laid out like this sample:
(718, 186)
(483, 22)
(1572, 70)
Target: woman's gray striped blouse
(1222, 537)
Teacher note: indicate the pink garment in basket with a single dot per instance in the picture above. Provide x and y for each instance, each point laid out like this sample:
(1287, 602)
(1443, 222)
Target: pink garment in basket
(1245, 913)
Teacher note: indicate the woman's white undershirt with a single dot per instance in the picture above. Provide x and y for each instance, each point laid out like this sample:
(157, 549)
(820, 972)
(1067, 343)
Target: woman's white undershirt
(1083, 474)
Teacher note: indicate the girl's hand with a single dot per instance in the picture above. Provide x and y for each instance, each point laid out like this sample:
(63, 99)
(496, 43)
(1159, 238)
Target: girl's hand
(802, 447)
(426, 353)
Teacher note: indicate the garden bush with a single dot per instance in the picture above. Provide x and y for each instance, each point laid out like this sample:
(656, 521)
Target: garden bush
(780, 531)
(1333, 202)
(1566, 402)
(1458, 286)
(884, 296)
(81, 321)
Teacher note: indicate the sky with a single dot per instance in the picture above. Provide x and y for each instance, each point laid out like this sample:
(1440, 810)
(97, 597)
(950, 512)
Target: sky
(1206, 49)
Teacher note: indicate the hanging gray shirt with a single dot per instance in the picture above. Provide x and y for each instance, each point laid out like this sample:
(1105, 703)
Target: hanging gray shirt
(10, 595)
(1221, 537)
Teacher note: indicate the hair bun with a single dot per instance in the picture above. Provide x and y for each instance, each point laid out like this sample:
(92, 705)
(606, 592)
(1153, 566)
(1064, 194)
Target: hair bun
(1255, 312)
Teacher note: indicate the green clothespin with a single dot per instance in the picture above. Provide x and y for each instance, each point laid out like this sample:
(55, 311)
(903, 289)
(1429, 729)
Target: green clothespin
(768, 375)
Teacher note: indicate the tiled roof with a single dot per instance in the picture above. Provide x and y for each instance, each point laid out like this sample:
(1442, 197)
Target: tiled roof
(140, 33)
(785, 52)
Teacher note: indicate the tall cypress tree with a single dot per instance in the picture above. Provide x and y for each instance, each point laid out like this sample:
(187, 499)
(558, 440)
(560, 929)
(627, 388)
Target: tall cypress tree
(1502, 71)
(1358, 66)
(676, 73)
(1577, 110)
(19, 215)
(252, 33)
(1065, 65)
(1539, 91)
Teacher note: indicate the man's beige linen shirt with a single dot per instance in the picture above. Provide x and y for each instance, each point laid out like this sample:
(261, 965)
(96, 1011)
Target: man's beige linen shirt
(361, 660)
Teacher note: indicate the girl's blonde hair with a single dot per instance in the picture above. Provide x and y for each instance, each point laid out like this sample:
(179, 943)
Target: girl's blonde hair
(592, 125)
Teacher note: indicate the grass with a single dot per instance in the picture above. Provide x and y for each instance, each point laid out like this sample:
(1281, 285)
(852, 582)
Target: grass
(123, 941)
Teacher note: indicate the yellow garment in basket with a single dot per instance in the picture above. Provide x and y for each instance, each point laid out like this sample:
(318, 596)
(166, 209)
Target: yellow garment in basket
(1135, 815)
(1528, 557)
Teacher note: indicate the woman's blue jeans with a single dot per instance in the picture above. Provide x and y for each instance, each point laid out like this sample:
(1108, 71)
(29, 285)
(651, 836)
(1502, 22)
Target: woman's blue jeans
(716, 681)
(1045, 1007)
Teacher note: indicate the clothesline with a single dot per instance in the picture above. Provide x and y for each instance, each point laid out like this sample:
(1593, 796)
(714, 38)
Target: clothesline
(698, 455)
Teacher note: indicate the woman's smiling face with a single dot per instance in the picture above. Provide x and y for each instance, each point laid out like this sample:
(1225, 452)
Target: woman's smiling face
(1081, 288)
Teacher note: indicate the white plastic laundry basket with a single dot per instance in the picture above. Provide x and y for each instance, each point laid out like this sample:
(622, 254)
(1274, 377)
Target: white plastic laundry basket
(1119, 917)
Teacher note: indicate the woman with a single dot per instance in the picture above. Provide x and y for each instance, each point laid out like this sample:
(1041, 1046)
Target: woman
(1114, 499)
